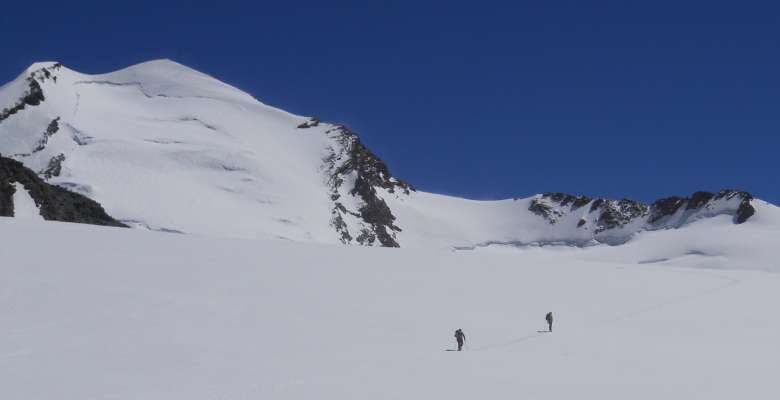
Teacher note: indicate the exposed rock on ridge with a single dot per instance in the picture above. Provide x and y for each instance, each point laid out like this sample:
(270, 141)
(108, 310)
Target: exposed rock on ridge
(55, 203)
(354, 171)
(34, 94)
(607, 214)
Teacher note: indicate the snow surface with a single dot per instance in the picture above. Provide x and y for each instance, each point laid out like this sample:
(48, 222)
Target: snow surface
(106, 313)
(24, 205)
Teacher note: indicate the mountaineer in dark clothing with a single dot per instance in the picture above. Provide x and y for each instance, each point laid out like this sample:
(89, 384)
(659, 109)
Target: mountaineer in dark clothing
(549, 319)
(460, 337)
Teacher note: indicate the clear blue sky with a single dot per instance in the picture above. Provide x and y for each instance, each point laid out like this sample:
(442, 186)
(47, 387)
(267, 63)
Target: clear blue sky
(477, 99)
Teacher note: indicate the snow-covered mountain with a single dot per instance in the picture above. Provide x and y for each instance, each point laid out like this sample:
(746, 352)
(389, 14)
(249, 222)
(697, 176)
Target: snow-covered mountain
(163, 147)
(683, 310)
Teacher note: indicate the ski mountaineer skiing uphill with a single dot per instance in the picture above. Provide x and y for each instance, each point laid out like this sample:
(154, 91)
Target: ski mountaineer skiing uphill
(549, 318)
(460, 337)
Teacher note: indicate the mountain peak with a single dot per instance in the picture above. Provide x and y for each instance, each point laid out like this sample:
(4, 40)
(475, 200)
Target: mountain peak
(37, 66)
(161, 61)
(159, 65)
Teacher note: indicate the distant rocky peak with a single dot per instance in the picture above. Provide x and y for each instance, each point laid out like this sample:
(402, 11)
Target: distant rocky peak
(33, 96)
(604, 215)
(617, 213)
(42, 72)
(728, 201)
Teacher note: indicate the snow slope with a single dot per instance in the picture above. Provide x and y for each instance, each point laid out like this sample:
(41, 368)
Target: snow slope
(109, 313)
(163, 147)
(25, 206)
(433, 220)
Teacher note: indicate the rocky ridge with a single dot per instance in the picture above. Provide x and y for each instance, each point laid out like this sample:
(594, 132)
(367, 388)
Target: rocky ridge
(55, 203)
(355, 176)
(34, 95)
(601, 214)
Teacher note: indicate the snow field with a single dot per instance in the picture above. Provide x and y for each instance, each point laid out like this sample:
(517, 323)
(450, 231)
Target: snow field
(121, 314)
(24, 205)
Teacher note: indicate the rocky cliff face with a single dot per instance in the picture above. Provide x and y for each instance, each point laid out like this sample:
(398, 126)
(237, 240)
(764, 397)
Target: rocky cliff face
(55, 203)
(355, 177)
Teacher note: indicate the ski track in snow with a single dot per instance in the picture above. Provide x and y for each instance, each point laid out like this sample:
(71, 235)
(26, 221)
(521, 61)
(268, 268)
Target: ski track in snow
(730, 282)
(513, 342)
(76, 106)
(140, 87)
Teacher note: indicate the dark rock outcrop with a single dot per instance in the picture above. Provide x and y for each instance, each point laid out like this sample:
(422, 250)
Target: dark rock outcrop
(699, 199)
(609, 213)
(542, 206)
(745, 209)
(312, 122)
(544, 210)
(54, 127)
(616, 213)
(566, 199)
(596, 204)
(54, 168)
(368, 172)
(55, 203)
(665, 207)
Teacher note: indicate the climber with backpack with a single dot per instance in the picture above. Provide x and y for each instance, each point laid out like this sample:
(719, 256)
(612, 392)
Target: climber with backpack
(460, 337)
(549, 319)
